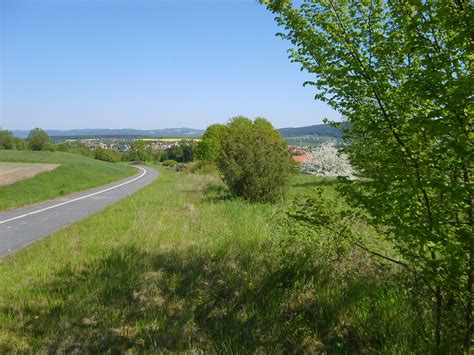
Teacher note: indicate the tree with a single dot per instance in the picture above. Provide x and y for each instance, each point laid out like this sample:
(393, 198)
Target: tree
(139, 151)
(187, 147)
(400, 72)
(19, 144)
(254, 160)
(38, 139)
(209, 149)
(6, 140)
(109, 155)
(175, 152)
(326, 160)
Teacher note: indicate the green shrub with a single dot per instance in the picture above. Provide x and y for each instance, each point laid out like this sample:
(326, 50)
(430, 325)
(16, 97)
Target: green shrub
(170, 163)
(38, 139)
(254, 161)
(181, 167)
(110, 155)
(6, 139)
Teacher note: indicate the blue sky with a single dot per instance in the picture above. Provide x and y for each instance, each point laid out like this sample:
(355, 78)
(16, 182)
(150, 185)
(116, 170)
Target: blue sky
(147, 64)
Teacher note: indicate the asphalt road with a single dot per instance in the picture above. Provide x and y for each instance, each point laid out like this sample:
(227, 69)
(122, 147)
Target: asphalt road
(22, 226)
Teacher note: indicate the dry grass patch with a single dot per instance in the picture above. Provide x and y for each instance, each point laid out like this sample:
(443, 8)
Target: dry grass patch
(13, 172)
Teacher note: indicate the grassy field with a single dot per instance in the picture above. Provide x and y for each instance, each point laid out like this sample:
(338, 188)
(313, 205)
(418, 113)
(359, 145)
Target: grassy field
(75, 173)
(180, 266)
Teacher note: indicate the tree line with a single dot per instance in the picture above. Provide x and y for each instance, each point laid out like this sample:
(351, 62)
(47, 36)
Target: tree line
(38, 139)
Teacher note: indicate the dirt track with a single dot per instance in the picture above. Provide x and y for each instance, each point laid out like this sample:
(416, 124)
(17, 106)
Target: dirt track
(13, 172)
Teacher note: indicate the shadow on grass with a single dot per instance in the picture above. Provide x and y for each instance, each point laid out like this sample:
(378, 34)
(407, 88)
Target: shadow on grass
(188, 298)
(216, 191)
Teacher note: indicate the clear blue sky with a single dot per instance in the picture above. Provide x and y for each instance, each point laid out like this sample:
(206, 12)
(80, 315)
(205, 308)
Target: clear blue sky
(147, 64)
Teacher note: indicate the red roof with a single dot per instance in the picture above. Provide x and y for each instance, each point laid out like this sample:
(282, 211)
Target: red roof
(299, 158)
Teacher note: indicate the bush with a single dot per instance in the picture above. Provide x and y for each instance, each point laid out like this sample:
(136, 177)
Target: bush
(110, 155)
(254, 161)
(170, 163)
(181, 167)
(6, 139)
(38, 139)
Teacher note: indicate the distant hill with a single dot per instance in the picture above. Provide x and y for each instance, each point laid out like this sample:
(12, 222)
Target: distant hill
(167, 132)
(316, 130)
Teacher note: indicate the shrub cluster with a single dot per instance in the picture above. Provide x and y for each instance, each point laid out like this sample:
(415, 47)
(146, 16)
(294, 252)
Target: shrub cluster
(110, 155)
(251, 157)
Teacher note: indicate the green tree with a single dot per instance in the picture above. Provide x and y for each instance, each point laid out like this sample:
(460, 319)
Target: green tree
(38, 139)
(6, 140)
(139, 151)
(188, 150)
(175, 152)
(19, 144)
(110, 155)
(209, 148)
(254, 160)
(400, 72)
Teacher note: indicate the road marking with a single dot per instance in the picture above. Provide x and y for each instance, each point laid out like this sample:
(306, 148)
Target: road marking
(76, 199)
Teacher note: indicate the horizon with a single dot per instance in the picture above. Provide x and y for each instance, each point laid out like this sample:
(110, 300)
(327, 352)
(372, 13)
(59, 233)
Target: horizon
(153, 64)
(139, 129)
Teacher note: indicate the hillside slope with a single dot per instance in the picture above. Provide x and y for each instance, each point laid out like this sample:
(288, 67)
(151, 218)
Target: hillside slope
(75, 173)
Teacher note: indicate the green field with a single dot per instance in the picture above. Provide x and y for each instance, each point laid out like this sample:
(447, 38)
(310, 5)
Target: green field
(75, 173)
(181, 266)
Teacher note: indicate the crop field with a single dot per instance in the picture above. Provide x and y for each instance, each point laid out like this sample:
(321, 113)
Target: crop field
(72, 173)
(13, 172)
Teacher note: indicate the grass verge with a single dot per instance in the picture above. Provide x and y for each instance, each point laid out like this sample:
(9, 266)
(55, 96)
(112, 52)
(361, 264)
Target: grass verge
(180, 266)
(75, 173)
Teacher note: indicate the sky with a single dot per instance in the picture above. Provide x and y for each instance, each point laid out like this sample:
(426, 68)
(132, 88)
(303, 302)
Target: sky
(147, 64)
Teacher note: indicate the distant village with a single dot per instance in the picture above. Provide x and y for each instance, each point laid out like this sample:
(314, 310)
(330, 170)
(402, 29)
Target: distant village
(123, 144)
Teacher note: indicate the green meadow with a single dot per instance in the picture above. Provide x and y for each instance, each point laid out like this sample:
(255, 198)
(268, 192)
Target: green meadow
(181, 266)
(75, 173)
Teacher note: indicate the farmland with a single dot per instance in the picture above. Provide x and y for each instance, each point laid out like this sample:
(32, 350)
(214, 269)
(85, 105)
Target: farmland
(13, 172)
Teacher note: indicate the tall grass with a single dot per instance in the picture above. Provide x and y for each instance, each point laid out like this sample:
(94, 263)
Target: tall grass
(182, 266)
(75, 173)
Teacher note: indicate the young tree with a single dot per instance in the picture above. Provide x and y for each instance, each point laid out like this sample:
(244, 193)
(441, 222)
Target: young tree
(209, 149)
(110, 155)
(6, 140)
(139, 151)
(401, 73)
(326, 160)
(38, 139)
(187, 147)
(254, 160)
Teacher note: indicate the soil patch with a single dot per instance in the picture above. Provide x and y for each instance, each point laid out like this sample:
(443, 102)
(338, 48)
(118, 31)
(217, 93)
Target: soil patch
(13, 172)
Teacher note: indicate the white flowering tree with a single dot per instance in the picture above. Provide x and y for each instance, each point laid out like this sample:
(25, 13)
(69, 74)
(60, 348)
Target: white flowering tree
(326, 160)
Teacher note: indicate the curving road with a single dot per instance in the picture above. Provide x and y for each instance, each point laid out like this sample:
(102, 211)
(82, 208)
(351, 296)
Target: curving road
(26, 225)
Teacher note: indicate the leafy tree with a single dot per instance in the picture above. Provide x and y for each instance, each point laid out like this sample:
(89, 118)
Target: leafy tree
(62, 147)
(19, 144)
(6, 140)
(38, 139)
(175, 152)
(401, 73)
(254, 161)
(209, 149)
(188, 150)
(139, 151)
(110, 155)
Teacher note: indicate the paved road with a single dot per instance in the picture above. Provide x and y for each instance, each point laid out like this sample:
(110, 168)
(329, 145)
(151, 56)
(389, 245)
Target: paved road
(25, 225)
